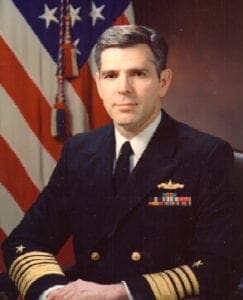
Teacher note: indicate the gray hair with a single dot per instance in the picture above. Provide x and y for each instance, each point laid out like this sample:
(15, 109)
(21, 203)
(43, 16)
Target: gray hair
(129, 35)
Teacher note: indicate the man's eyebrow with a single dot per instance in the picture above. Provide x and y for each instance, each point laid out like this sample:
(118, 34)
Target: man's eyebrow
(128, 70)
(104, 72)
(138, 69)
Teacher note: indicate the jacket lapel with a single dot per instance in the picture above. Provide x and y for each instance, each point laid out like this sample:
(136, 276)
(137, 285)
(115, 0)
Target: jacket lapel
(97, 170)
(103, 161)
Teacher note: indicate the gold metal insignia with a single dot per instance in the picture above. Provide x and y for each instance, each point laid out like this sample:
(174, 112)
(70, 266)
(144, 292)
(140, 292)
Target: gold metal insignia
(170, 185)
(197, 264)
(20, 248)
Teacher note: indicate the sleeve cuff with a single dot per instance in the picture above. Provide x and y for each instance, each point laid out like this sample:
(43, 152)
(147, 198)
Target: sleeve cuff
(43, 284)
(130, 297)
(46, 292)
(35, 272)
(177, 283)
(140, 288)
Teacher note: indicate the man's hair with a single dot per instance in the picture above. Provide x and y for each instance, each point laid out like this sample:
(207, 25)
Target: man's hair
(129, 35)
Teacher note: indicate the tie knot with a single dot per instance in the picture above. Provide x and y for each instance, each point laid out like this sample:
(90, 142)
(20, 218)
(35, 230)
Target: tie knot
(126, 149)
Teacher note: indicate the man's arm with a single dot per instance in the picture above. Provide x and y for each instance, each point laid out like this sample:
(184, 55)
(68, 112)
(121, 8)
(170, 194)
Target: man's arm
(209, 269)
(30, 250)
(86, 290)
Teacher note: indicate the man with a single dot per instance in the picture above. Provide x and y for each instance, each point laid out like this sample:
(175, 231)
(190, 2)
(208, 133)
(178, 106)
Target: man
(165, 232)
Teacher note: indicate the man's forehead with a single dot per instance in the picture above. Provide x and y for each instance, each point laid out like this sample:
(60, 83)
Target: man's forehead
(142, 49)
(137, 56)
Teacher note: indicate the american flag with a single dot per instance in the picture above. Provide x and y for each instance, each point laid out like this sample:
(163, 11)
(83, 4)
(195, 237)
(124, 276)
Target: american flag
(28, 66)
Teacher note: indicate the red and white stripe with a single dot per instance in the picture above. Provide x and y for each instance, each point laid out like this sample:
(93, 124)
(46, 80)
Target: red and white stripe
(27, 94)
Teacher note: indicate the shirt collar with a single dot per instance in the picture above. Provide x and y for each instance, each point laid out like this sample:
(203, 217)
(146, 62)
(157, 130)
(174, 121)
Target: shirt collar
(140, 141)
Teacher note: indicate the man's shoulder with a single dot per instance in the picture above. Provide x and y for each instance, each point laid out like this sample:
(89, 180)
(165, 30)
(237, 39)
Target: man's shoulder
(192, 133)
(195, 142)
(199, 142)
(92, 137)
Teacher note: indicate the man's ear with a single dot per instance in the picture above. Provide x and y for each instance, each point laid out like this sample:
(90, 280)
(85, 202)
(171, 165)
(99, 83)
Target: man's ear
(165, 79)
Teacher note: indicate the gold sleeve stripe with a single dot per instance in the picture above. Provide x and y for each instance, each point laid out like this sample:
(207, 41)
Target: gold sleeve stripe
(22, 265)
(31, 266)
(26, 261)
(28, 266)
(165, 291)
(173, 284)
(29, 254)
(176, 284)
(35, 274)
(181, 281)
(158, 286)
(33, 269)
(163, 287)
(186, 282)
(154, 286)
(189, 280)
(193, 279)
(173, 295)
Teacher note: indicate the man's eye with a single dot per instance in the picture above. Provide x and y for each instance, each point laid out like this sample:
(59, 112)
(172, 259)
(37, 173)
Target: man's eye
(140, 73)
(109, 76)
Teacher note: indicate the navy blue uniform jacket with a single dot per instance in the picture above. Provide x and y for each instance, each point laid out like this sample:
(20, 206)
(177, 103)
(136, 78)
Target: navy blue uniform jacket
(170, 229)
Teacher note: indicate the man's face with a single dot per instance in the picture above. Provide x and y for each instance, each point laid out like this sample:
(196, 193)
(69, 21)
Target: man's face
(130, 87)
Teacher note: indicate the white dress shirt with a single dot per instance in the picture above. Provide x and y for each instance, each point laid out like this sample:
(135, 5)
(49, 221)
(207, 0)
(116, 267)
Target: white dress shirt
(138, 143)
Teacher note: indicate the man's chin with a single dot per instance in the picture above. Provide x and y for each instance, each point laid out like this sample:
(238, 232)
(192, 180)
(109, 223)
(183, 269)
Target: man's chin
(128, 126)
(124, 123)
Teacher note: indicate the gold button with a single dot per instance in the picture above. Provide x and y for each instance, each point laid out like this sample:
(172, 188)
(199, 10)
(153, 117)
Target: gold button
(95, 256)
(136, 256)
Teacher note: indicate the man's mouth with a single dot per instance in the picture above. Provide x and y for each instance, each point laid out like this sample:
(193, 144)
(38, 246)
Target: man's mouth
(126, 104)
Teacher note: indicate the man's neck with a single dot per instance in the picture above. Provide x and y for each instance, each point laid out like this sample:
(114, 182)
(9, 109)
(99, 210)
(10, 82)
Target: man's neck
(130, 132)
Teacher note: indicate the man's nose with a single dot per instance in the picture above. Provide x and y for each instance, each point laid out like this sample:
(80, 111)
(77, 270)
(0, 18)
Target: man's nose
(125, 86)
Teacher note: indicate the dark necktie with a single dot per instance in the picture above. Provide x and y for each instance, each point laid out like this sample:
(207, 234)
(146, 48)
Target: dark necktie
(122, 166)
